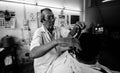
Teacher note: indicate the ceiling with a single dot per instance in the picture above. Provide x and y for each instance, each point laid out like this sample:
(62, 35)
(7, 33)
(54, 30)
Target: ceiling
(67, 4)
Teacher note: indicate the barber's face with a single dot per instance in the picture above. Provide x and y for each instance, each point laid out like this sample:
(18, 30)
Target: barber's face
(49, 19)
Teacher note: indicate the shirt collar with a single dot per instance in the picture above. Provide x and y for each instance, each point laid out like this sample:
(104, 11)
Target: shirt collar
(45, 30)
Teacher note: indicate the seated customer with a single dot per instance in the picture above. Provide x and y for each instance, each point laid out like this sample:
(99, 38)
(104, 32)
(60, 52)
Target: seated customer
(89, 56)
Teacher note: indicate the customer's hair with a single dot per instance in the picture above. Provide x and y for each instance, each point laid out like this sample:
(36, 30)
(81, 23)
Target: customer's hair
(42, 15)
(91, 46)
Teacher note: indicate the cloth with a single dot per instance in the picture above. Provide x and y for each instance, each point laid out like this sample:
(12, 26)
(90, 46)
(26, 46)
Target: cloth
(40, 37)
(67, 64)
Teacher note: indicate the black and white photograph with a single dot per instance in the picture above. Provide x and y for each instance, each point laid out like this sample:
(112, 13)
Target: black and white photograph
(59, 36)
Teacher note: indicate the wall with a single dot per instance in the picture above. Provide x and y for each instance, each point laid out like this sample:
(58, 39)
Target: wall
(24, 11)
(104, 13)
(108, 14)
(111, 15)
(92, 14)
(13, 7)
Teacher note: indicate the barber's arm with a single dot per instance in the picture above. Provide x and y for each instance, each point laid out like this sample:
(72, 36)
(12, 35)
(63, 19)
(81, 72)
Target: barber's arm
(41, 50)
(37, 47)
(72, 42)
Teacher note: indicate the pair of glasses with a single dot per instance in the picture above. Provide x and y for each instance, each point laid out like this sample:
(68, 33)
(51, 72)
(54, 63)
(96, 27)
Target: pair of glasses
(50, 17)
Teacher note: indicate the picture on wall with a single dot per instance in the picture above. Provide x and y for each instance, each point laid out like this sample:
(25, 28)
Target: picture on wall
(1, 22)
(1, 14)
(7, 19)
(10, 24)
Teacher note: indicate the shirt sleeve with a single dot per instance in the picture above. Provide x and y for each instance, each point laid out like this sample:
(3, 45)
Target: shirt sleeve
(36, 40)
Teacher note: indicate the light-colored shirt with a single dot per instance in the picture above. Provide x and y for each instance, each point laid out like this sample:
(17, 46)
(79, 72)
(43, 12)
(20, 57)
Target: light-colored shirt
(40, 37)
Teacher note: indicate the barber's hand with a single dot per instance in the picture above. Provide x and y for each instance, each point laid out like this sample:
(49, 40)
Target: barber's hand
(76, 44)
(64, 42)
(69, 42)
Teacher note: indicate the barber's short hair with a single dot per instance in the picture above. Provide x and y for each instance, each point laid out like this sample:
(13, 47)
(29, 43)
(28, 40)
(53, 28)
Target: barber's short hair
(42, 15)
(46, 9)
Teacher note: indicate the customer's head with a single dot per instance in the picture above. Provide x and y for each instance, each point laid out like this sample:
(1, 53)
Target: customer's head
(91, 46)
(47, 17)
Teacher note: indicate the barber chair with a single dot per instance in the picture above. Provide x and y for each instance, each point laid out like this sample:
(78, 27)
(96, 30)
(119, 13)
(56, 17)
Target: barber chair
(8, 55)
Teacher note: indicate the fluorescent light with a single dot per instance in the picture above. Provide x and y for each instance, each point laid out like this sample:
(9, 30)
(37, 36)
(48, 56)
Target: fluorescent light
(106, 0)
(21, 1)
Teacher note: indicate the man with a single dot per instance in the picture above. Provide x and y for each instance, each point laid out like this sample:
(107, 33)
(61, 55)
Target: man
(43, 45)
(89, 56)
